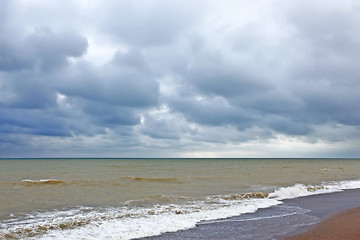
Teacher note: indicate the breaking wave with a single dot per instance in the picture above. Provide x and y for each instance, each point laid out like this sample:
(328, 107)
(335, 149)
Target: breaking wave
(42, 181)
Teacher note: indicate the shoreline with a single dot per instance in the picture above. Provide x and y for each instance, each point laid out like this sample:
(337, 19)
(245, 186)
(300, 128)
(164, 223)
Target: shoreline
(325, 206)
(301, 215)
(335, 211)
(343, 225)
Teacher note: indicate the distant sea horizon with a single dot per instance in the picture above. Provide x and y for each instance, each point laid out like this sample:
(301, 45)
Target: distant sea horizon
(288, 158)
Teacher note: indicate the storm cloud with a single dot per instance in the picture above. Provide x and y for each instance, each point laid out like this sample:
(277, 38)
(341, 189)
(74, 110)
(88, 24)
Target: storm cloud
(179, 79)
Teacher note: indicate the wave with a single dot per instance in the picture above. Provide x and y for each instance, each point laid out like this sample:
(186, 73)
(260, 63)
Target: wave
(301, 190)
(124, 223)
(85, 182)
(42, 181)
(163, 180)
(135, 221)
(295, 191)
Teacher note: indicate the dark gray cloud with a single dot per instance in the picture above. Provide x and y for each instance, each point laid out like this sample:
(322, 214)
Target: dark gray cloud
(290, 83)
(147, 76)
(212, 74)
(170, 128)
(45, 94)
(51, 50)
(28, 89)
(30, 121)
(125, 81)
(211, 111)
(42, 50)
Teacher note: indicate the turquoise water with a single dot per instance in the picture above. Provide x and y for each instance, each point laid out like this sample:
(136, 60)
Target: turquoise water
(70, 197)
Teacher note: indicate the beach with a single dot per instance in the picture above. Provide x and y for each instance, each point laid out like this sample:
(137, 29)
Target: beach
(344, 225)
(339, 218)
(172, 198)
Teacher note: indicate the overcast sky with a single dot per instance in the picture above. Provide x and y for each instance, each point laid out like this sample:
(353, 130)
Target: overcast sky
(179, 78)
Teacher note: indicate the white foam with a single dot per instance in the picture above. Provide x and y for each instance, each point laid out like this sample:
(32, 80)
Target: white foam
(157, 224)
(41, 181)
(301, 190)
(298, 190)
(354, 184)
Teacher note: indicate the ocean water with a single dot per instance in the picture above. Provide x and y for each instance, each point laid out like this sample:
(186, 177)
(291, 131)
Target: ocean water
(135, 198)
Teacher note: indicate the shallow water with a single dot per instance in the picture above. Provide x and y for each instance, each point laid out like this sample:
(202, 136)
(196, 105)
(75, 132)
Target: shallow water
(127, 198)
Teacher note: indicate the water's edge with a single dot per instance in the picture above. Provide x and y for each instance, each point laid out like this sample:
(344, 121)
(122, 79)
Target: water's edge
(303, 213)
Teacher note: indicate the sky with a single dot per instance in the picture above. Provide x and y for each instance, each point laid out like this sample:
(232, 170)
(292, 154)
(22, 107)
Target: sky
(180, 78)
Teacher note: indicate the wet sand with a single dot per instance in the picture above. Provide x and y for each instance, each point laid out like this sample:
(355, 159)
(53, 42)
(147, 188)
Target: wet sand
(338, 213)
(344, 225)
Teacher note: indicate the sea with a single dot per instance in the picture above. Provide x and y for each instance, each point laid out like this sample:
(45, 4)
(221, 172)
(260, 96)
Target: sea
(139, 198)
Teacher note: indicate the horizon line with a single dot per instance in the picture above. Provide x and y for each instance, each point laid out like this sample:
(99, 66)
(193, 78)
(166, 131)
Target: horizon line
(64, 158)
